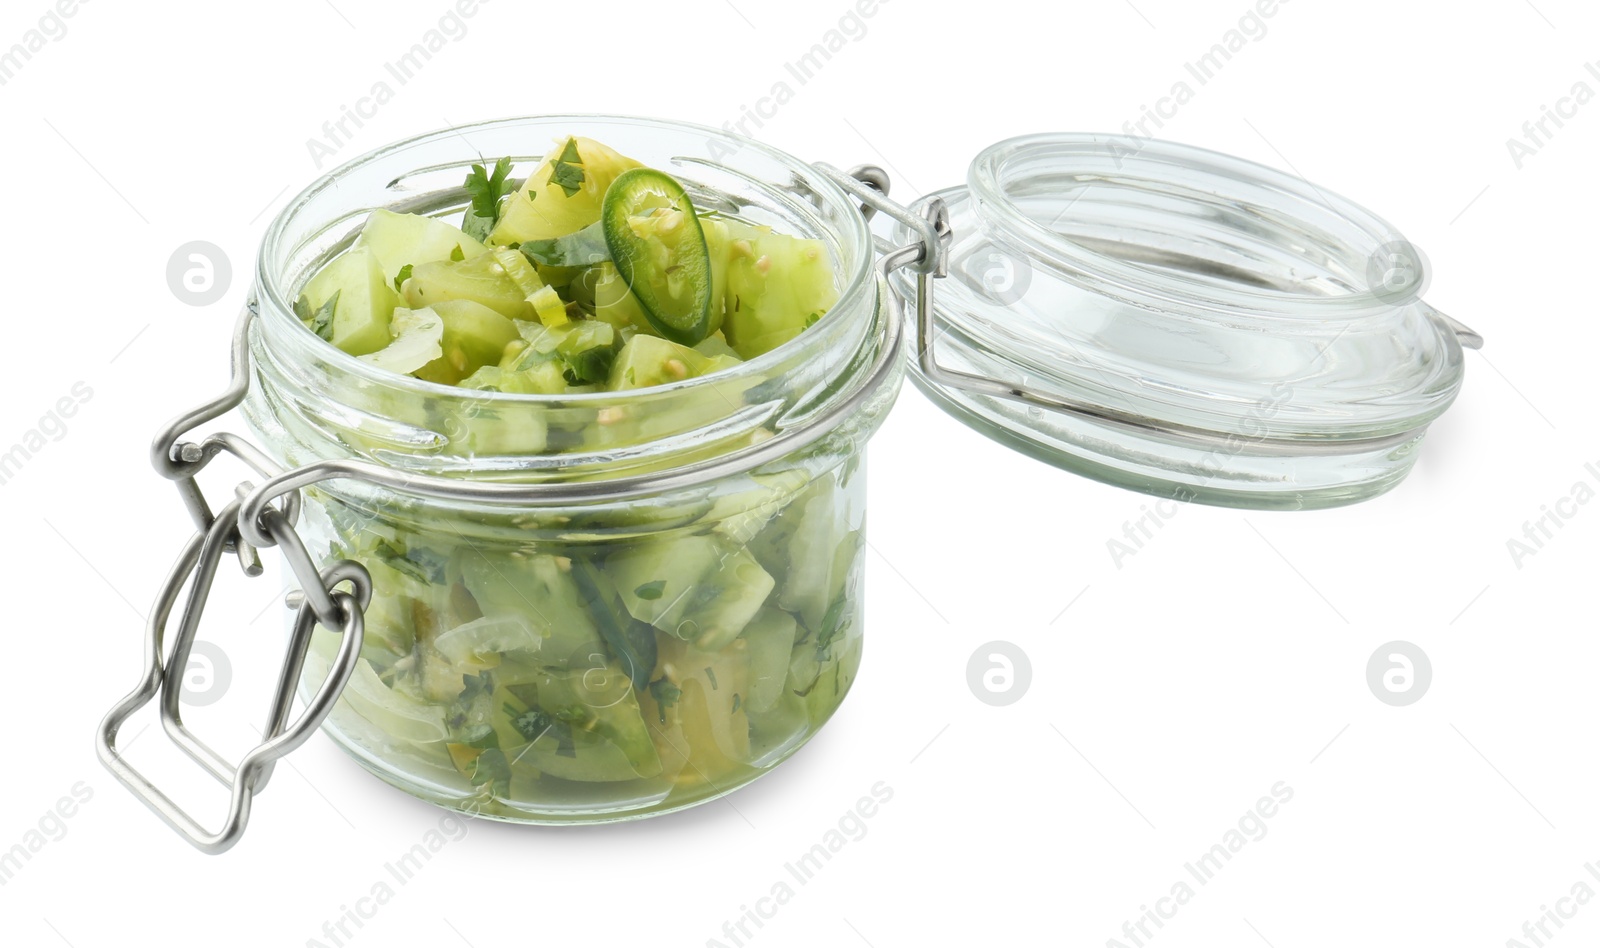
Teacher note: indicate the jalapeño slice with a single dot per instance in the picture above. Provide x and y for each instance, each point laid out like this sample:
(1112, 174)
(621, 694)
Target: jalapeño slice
(660, 251)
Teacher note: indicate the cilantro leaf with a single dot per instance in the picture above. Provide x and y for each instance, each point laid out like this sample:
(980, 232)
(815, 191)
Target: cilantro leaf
(585, 248)
(589, 366)
(666, 695)
(473, 686)
(418, 562)
(530, 724)
(430, 561)
(651, 591)
(632, 642)
(401, 277)
(568, 178)
(834, 623)
(566, 172)
(475, 735)
(322, 320)
(486, 188)
(457, 255)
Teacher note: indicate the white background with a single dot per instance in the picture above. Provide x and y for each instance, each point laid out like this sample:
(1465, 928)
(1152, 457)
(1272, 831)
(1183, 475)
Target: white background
(1168, 692)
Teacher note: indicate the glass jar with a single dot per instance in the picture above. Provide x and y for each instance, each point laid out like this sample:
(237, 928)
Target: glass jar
(603, 606)
(606, 658)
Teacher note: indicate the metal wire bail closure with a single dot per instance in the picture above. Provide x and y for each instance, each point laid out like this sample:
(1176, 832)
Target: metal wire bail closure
(198, 562)
(217, 534)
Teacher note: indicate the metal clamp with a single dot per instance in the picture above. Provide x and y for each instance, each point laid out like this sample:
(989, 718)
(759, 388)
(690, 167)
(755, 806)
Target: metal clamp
(219, 533)
(198, 564)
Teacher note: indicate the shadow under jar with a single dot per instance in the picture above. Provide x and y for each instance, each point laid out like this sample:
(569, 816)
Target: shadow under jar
(615, 653)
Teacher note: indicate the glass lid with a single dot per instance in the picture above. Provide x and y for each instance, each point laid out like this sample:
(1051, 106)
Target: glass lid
(1178, 321)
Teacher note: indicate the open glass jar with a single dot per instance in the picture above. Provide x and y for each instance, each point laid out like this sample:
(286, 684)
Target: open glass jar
(609, 605)
(611, 655)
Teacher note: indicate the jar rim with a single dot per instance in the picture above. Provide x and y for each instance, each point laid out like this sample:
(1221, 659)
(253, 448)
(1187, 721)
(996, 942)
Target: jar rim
(1185, 173)
(271, 296)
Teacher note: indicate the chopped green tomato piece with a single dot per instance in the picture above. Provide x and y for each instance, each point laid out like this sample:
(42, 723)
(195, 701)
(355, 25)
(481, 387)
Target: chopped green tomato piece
(588, 349)
(521, 272)
(646, 361)
(769, 640)
(707, 591)
(365, 299)
(716, 346)
(474, 336)
(777, 286)
(659, 581)
(809, 541)
(582, 352)
(660, 250)
(480, 279)
(544, 378)
(742, 516)
(479, 644)
(835, 680)
(730, 596)
(563, 195)
(575, 754)
(542, 300)
(417, 334)
(549, 307)
(719, 252)
(614, 302)
(719, 363)
(407, 719)
(597, 701)
(650, 360)
(708, 705)
(487, 430)
(401, 240)
(539, 739)
(540, 591)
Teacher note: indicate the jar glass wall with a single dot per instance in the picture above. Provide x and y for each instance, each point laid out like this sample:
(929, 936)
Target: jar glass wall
(508, 670)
